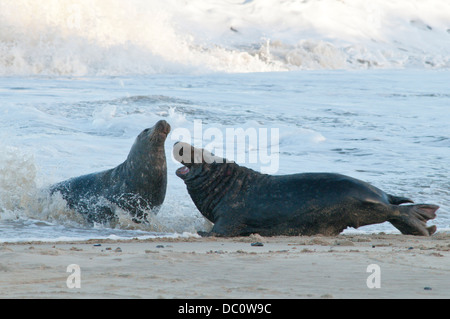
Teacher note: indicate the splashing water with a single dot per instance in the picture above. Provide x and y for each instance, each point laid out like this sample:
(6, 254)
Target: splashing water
(98, 37)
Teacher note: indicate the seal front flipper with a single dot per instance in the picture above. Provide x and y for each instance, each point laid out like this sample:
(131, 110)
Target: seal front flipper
(215, 232)
(413, 218)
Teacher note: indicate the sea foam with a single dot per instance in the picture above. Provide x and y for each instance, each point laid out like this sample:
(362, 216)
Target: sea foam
(96, 37)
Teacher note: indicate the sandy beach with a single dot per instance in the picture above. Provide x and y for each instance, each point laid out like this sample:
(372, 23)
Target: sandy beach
(250, 267)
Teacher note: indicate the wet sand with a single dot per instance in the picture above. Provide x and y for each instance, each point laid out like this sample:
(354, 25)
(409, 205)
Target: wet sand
(231, 268)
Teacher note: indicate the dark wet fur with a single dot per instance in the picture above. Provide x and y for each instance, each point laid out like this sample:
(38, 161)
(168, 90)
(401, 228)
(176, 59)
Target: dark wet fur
(240, 201)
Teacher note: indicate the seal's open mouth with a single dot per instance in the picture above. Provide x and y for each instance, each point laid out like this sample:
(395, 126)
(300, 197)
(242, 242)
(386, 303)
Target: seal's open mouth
(183, 170)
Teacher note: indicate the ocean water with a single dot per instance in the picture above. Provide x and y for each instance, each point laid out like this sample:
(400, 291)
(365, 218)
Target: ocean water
(359, 88)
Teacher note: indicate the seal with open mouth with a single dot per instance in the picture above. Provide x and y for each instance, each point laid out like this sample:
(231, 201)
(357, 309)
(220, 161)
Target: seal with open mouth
(240, 201)
(138, 185)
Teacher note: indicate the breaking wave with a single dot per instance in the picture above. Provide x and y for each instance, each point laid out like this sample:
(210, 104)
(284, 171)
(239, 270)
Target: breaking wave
(97, 37)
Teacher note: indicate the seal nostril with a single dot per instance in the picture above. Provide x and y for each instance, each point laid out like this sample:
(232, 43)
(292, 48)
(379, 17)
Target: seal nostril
(163, 126)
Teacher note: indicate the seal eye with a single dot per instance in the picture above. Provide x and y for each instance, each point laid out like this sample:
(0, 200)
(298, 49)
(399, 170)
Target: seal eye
(144, 133)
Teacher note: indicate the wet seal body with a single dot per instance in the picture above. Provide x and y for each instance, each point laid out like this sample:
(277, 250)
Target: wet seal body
(240, 201)
(137, 186)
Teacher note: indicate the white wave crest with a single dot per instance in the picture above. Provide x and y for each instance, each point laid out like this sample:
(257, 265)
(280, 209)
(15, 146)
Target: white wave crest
(114, 37)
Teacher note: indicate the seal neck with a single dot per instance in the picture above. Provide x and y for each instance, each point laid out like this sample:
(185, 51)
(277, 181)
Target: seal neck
(217, 184)
(145, 171)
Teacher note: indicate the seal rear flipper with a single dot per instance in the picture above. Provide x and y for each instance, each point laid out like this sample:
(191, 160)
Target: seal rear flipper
(397, 200)
(412, 219)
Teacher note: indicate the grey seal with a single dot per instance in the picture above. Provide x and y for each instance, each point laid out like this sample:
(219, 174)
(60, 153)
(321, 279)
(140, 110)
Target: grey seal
(137, 186)
(240, 201)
